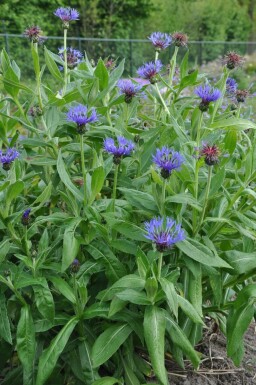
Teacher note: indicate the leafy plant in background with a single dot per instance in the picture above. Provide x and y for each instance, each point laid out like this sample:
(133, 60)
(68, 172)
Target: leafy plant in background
(126, 216)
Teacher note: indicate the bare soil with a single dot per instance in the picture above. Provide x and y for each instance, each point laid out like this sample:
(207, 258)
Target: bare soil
(216, 368)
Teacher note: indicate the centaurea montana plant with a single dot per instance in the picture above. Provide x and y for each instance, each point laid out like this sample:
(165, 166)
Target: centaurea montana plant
(131, 247)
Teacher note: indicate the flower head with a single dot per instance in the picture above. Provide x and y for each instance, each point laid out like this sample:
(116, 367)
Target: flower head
(231, 86)
(25, 219)
(129, 89)
(150, 71)
(66, 15)
(74, 56)
(8, 157)
(164, 232)
(167, 160)
(241, 95)
(233, 60)
(124, 147)
(34, 34)
(180, 39)
(75, 266)
(208, 94)
(110, 63)
(35, 111)
(80, 115)
(210, 154)
(160, 40)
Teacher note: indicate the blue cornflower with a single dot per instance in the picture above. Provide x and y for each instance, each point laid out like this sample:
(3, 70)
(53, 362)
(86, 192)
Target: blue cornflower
(123, 148)
(129, 89)
(25, 219)
(80, 115)
(74, 56)
(160, 40)
(75, 266)
(164, 232)
(167, 160)
(66, 15)
(231, 86)
(8, 157)
(150, 71)
(208, 94)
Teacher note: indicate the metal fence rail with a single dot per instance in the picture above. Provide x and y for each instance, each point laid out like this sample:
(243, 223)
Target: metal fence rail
(136, 51)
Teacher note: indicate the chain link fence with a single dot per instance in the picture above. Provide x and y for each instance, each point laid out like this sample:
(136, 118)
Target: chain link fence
(135, 51)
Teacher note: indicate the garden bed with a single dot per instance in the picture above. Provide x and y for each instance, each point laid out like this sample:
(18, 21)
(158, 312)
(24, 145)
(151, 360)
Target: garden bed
(216, 368)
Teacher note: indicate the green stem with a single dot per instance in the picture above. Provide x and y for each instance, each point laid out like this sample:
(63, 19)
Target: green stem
(173, 65)
(198, 138)
(65, 61)
(37, 72)
(114, 187)
(238, 110)
(160, 262)
(206, 196)
(162, 100)
(26, 242)
(83, 166)
(163, 196)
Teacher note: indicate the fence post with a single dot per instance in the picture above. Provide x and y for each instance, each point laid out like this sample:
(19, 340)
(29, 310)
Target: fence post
(131, 58)
(200, 53)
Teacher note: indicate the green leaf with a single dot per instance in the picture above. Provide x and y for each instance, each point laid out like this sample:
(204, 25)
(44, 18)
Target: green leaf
(108, 343)
(26, 344)
(101, 73)
(131, 280)
(98, 177)
(13, 191)
(49, 357)
(86, 361)
(195, 290)
(66, 179)
(114, 268)
(217, 181)
(128, 229)
(70, 244)
(154, 332)
(241, 262)
(5, 330)
(133, 296)
(184, 198)
(171, 295)
(189, 310)
(237, 324)
(44, 302)
(63, 288)
(4, 249)
(233, 123)
(106, 381)
(141, 200)
(180, 339)
(193, 252)
(51, 65)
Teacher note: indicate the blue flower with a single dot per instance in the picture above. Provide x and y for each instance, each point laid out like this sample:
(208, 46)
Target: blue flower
(150, 71)
(129, 89)
(231, 86)
(160, 40)
(8, 157)
(66, 15)
(164, 232)
(208, 94)
(167, 160)
(124, 147)
(74, 56)
(25, 219)
(80, 115)
(75, 266)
